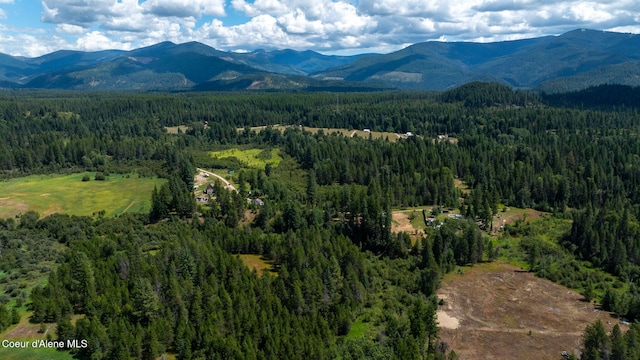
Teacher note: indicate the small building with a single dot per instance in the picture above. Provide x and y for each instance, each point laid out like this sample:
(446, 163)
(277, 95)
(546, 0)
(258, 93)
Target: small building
(367, 130)
(257, 202)
(209, 189)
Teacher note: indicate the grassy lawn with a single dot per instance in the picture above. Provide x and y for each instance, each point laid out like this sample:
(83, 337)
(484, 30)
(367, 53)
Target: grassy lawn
(48, 194)
(253, 158)
(258, 263)
(34, 354)
(359, 329)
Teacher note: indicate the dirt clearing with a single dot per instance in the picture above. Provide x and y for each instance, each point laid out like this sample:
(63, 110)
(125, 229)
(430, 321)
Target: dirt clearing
(509, 215)
(401, 223)
(497, 311)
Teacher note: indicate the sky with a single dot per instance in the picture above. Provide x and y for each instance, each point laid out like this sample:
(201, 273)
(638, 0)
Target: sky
(35, 27)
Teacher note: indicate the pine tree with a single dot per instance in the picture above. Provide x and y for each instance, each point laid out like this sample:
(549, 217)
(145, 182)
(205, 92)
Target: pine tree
(595, 342)
(618, 345)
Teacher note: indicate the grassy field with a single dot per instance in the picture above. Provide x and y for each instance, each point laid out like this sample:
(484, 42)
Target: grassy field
(48, 194)
(174, 129)
(34, 354)
(253, 158)
(26, 331)
(258, 263)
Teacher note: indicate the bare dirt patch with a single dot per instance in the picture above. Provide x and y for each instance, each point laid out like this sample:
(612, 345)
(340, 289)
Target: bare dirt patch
(26, 330)
(200, 180)
(10, 208)
(401, 223)
(249, 216)
(506, 313)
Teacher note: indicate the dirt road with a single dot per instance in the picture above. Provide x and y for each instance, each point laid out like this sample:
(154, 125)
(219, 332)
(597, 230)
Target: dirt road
(227, 184)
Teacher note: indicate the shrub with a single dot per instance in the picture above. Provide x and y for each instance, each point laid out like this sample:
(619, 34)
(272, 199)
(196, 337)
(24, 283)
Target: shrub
(100, 176)
(85, 178)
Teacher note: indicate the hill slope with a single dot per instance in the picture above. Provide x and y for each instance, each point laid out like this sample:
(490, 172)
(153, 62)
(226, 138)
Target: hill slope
(570, 62)
(564, 61)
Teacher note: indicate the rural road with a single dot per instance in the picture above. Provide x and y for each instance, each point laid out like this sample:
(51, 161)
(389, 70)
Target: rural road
(227, 184)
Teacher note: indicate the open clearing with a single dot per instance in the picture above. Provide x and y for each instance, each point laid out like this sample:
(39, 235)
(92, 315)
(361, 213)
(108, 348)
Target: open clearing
(509, 215)
(176, 129)
(258, 263)
(401, 223)
(26, 331)
(253, 158)
(497, 311)
(345, 132)
(48, 194)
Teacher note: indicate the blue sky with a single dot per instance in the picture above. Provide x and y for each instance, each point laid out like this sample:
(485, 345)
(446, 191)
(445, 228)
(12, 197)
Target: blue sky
(35, 27)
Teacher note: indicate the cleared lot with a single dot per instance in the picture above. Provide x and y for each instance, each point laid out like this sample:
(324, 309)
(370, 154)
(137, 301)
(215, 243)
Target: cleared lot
(497, 311)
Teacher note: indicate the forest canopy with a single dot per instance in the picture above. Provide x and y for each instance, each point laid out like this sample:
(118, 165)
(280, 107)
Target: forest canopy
(170, 281)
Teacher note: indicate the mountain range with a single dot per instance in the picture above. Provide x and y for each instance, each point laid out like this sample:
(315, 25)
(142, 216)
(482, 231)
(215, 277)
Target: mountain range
(569, 62)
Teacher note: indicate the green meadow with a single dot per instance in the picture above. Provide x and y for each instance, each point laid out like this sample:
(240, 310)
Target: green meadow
(253, 158)
(48, 194)
(34, 353)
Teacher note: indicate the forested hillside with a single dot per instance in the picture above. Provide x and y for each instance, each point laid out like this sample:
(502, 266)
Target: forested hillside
(342, 284)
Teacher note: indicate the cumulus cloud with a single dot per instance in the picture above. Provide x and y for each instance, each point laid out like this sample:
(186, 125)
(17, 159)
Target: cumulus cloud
(95, 40)
(336, 26)
(28, 44)
(184, 8)
(70, 29)
(76, 12)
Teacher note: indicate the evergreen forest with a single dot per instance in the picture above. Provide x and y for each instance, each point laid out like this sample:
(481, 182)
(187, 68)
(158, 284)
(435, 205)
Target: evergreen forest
(172, 281)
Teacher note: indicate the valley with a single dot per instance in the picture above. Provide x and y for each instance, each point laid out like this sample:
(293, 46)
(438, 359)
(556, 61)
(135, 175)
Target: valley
(480, 222)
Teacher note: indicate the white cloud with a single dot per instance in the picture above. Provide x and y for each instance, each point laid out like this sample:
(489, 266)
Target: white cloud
(76, 12)
(259, 7)
(95, 40)
(29, 45)
(184, 8)
(70, 29)
(344, 26)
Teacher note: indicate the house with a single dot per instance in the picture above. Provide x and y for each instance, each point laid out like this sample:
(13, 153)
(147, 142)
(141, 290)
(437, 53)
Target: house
(430, 221)
(209, 189)
(257, 202)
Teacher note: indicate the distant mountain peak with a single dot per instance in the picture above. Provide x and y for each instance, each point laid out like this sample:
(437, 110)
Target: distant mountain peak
(571, 61)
